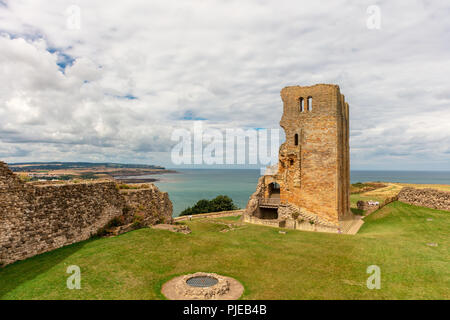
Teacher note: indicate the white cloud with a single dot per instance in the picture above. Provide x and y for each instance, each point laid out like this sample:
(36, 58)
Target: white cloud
(116, 88)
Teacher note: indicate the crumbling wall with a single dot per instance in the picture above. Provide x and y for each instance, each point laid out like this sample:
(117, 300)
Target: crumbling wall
(252, 205)
(314, 163)
(314, 168)
(147, 206)
(49, 217)
(36, 219)
(430, 198)
(367, 206)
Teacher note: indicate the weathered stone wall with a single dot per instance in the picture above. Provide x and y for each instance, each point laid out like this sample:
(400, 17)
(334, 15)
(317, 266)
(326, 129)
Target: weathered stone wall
(150, 206)
(252, 205)
(39, 218)
(55, 216)
(366, 207)
(220, 214)
(429, 198)
(314, 162)
(314, 171)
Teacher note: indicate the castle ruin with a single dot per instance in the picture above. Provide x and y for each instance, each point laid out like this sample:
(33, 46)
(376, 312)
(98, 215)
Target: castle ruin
(309, 187)
(38, 218)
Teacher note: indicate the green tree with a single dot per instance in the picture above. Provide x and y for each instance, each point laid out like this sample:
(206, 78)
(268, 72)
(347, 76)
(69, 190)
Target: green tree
(219, 203)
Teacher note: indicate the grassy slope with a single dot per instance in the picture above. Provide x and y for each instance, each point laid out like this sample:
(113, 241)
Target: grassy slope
(391, 189)
(442, 187)
(296, 265)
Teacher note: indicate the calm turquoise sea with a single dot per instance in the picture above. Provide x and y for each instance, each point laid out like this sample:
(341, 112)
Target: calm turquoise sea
(190, 185)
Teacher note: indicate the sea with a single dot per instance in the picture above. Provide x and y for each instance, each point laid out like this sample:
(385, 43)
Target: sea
(187, 186)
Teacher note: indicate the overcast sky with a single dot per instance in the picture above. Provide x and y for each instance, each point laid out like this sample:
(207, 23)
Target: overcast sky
(115, 88)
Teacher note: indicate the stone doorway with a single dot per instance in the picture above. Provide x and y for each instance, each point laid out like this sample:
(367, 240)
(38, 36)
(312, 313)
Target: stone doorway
(268, 213)
(274, 190)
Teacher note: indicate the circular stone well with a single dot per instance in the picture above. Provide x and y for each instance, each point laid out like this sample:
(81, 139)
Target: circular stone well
(202, 286)
(201, 282)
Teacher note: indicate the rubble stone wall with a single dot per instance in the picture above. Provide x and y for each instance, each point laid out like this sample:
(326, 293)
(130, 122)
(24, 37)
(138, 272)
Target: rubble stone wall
(39, 218)
(152, 205)
(430, 198)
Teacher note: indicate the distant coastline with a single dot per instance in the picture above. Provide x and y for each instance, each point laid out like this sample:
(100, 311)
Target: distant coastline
(57, 171)
(135, 178)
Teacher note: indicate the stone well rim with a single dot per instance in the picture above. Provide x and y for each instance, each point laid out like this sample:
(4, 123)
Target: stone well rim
(226, 288)
(214, 280)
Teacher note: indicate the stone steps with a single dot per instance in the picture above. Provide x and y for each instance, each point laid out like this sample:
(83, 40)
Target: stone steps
(315, 218)
(269, 206)
(351, 226)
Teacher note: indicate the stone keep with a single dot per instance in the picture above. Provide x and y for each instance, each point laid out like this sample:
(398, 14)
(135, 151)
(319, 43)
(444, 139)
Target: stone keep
(312, 179)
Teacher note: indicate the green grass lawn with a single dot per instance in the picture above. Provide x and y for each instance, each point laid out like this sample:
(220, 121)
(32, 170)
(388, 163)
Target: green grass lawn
(270, 265)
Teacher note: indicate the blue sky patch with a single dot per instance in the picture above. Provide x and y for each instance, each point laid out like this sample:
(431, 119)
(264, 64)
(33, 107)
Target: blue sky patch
(128, 96)
(189, 115)
(64, 59)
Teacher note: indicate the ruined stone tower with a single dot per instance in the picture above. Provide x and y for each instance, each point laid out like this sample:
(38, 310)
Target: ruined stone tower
(309, 188)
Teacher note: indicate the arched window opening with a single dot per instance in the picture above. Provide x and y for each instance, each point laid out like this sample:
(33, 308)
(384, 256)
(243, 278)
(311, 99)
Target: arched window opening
(309, 103)
(296, 139)
(274, 190)
(302, 104)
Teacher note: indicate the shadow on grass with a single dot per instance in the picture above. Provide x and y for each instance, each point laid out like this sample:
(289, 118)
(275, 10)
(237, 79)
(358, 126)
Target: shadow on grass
(19, 272)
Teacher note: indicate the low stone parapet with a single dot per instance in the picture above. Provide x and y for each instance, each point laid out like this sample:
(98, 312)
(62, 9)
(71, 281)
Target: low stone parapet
(429, 198)
(211, 215)
(368, 206)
